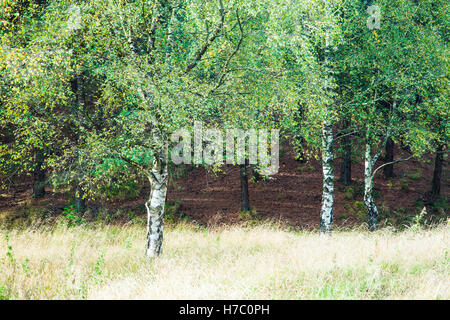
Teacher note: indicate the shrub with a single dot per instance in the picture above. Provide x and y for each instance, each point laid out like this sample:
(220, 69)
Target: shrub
(404, 187)
(349, 193)
(72, 217)
(416, 175)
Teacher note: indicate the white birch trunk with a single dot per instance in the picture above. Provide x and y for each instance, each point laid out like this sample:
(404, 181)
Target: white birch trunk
(372, 211)
(326, 212)
(155, 206)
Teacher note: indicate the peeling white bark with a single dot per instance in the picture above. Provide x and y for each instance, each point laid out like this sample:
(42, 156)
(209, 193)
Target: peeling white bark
(369, 201)
(326, 212)
(155, 206)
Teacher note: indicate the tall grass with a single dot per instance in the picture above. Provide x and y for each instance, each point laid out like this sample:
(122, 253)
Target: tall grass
(259, 262)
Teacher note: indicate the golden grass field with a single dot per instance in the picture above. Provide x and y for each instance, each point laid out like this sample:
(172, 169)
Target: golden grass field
(239, 262)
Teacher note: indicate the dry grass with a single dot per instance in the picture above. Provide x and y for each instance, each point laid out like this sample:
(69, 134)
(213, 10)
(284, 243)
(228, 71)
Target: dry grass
(261, 262)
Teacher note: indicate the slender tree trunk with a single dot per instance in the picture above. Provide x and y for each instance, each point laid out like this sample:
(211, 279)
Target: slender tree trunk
(369, 201)
(245, 201)
(389, 169)
(39, 175)
(77, 89)
(326, 212)
(437, 173)
(155, 206)
(80, 201)
(300, 156)
(346, 163)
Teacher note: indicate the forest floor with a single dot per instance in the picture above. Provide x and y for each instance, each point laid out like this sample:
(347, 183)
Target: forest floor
(265, 261)
(292, 196)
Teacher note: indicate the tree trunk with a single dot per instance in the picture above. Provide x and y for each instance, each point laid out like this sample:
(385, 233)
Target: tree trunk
(245, 202)
(437, 173)
(389, 169)
(326, 212)
(39, 175)
(155, 206)
(372, 211)
(80, 201)
(346, 163)
(77, 89)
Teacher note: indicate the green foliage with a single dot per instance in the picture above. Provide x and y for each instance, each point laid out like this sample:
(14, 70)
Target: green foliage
(404, 186)
(10, 253)
(419, 220)
(349, 193)
(173, 212)
(416, 175)
(120, 190)
(4, 293)
(357, 209)
(72, 217)
(100, 101)
(441, 203)
(97, 269)
(26, 267)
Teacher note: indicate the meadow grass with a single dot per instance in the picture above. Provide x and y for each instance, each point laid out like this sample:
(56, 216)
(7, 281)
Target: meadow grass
(238, 262)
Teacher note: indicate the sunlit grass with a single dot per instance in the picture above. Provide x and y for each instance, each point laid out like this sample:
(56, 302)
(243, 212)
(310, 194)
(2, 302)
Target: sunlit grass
(259, 262)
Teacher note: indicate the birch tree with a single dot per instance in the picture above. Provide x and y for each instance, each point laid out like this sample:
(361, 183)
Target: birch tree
(310, 33)
(27, 133)
(389, 70)
(164, 64)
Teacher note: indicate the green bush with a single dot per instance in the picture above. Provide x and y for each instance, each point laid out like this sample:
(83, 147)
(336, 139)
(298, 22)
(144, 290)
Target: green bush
(172, 212)
(404, 187)
(4, 293)
(357, 209)
(349, 193)
(416, 175)
(72, 217)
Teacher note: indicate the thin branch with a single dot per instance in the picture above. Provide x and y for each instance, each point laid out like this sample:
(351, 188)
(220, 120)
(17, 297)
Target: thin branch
(127, 35)
(155, 22)
(225, 68)
(389, 163)
(386, 137)
(209, 41)
(338, 136)
(135, 164)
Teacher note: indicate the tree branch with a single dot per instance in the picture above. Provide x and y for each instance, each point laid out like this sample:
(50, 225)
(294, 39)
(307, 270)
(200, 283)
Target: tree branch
(225, 68)
(209, 41)
(386, 137)
(338, 135)
(389, 163)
